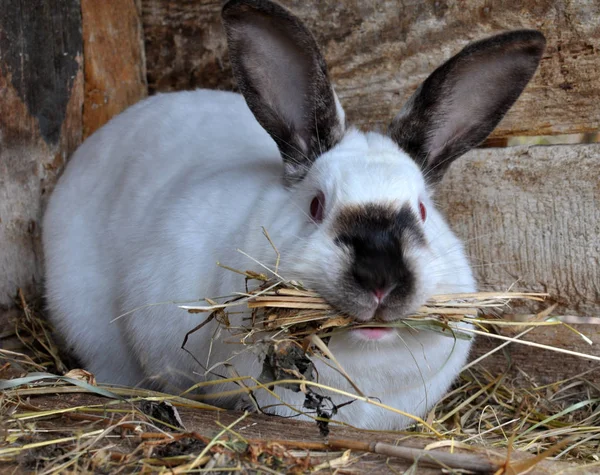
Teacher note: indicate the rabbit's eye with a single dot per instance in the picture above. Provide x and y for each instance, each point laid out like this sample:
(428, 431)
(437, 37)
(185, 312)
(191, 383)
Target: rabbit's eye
(317, 207)
(422, 211)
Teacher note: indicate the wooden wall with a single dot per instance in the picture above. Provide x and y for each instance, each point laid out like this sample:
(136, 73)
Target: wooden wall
(41, 99)
(379, 51)
(62, 75)
(530, 216)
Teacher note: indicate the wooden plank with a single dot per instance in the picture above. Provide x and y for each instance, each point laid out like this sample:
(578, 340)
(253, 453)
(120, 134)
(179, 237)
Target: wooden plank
(378, 52)
(41, 101)
(41, 95)
(115, 70)
(531, 219)
(544, 366)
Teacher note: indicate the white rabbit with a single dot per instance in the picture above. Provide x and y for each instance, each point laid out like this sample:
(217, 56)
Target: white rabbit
(151, 201)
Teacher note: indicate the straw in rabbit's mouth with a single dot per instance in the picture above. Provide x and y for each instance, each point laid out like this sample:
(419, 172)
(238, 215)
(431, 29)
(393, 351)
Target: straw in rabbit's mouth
(280, 309)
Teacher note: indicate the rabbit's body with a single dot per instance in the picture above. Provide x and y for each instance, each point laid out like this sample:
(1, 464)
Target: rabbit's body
(130, 255)
(120, 174)
(151, 202)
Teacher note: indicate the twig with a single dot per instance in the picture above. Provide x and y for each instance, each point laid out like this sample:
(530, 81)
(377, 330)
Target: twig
(475, 463)
(472, 462)
(532, 343)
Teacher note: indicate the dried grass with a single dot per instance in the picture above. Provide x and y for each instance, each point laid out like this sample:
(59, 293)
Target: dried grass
(482, 411)
(494, 412)
(280, 312)
(280, 304)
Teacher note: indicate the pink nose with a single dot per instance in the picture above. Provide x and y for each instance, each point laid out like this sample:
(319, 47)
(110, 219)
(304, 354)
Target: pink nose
(380, 294)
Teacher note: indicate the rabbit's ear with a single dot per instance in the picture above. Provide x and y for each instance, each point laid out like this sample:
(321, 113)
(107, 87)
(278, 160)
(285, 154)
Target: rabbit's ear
(283, 77)
(463, 100)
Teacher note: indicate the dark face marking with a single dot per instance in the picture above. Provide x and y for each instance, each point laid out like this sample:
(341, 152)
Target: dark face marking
(376, 236)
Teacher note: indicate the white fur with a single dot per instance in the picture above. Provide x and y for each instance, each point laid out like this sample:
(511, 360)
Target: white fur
(150, 203)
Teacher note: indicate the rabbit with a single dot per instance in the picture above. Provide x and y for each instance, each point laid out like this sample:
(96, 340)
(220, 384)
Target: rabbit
(151, 201)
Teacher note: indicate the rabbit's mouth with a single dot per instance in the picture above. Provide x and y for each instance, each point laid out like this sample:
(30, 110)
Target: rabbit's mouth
(380, 325)
(374, 322)
(374, 333)
(371, 313)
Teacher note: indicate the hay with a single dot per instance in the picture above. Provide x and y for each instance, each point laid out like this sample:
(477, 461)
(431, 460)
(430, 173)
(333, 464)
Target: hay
(283, 314)
(501, 411)
(33, 332)
(482, 411)
(291, 311)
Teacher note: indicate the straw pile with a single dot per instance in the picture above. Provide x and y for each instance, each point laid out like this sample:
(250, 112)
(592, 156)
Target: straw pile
(48, 429)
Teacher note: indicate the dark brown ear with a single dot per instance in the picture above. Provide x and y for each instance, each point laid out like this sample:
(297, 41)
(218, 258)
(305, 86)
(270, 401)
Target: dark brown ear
(283, 77)
(463, 100)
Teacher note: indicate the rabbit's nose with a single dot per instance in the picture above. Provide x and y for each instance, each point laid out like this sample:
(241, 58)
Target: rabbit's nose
(377, 276)
(380, 294)
(371, 277)
(374, 235)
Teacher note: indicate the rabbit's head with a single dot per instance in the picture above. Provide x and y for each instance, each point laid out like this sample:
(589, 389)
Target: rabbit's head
(370, 239)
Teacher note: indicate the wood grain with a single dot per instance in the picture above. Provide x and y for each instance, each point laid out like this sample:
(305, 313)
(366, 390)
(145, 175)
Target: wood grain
(544, 366)
(378, 52)
(530, 217)
(41, 96)
(115, 70)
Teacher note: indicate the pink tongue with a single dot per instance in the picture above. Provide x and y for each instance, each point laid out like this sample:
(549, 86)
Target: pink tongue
(374, 333)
